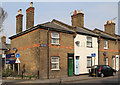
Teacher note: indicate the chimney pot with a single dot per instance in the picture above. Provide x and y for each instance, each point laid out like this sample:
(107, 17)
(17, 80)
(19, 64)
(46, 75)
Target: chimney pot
(75, 12)
(107, 22)
(81, 11)
(19, 11)
(31, 4)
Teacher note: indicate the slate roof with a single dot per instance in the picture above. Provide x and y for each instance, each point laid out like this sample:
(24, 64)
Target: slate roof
(56, 26)
(79, 30)
(50, 25)
(86, 31)
(106, 35)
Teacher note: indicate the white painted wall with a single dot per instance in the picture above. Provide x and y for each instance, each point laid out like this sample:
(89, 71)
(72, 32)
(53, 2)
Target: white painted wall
(83, 51)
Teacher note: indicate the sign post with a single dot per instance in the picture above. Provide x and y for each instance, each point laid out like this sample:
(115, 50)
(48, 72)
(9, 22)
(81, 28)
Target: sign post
(94, 55)
(18, 61)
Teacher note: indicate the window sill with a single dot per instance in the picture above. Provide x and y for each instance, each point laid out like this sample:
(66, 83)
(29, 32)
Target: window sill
(89, 47)
(55, 44)
(88, 67)
(105, 48)
(55, 69)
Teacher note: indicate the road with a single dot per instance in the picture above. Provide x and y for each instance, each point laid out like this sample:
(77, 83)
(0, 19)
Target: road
(111, 80)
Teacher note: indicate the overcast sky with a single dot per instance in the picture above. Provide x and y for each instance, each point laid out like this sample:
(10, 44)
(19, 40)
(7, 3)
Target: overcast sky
(95, 13)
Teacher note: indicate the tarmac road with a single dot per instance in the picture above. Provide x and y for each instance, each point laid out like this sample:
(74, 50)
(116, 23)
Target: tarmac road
(111, 80)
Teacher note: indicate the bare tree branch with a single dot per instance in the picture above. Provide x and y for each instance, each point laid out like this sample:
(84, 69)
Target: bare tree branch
(3, 16)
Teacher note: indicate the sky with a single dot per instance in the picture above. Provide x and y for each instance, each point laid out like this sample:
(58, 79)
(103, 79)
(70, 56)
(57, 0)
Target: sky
(95, 14)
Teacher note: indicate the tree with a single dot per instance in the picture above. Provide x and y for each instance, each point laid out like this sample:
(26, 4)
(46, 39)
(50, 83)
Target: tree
(3, 16)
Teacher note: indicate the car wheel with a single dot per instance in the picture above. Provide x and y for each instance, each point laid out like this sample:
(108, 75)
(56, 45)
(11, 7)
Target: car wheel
(102, 75)
(114, 73)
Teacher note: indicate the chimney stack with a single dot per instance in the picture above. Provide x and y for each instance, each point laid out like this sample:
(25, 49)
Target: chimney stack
(3, 39)
(19, 21)
(110, 27)
(30, 16)
(78, 18)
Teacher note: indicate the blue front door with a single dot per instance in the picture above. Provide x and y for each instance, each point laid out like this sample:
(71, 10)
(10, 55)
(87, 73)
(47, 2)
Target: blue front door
(77, 66)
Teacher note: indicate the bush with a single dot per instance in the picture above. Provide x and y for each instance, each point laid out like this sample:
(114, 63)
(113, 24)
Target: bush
(9, 72)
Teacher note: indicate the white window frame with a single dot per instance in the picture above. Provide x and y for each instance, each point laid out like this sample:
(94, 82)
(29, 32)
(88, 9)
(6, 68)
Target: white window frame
(105, 44)
(57, 62)
(90, 61)
(56, 38)
(89, 41)
(106, 60)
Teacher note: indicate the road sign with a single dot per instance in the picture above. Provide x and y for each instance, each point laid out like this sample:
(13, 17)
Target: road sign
(17, 55)
(10, 58)
(93, 55)
(17, 60)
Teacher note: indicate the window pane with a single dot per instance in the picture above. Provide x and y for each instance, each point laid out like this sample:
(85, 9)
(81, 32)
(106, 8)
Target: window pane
(55, 66)
(105, 44)
(89, 62)
(55, 35)
(89, 39)
(55, 62)
(55, 41)
(55, 59)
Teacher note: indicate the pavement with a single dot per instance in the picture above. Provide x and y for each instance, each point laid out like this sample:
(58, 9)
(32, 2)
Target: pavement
(66, 79)
(60, 80)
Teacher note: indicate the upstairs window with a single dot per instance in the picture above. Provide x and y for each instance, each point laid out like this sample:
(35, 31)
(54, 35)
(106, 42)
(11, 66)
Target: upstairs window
(54, 38)
(89, 42)
(105, 44)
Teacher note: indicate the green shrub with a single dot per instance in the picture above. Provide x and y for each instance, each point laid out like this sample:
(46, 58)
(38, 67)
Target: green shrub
(9, 73)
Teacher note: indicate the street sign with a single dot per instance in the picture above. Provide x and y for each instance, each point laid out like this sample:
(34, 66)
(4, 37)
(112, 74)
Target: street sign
(43, 45)
(93, 55)
(10, 58)
(17, 60)
(17, 55)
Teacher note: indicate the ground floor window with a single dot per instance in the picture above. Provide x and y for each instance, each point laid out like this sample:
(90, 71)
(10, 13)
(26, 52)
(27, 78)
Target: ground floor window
(106, 60)
(55, 63)
(89, 62)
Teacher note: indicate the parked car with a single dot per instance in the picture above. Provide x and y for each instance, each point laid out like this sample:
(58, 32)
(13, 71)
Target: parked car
(102, 70)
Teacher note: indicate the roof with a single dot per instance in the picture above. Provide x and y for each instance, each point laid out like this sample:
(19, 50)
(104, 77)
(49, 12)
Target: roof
(56, 26)
(48, 25)
(105, 35)
(5, 46)
(86, 31)
(79, 30)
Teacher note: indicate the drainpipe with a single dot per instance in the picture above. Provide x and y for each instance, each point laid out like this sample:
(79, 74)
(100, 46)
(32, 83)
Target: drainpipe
(48, 53)
(98, 48)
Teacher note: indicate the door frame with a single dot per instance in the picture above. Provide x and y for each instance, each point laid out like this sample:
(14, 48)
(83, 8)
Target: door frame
(75, 64)
(70, 55)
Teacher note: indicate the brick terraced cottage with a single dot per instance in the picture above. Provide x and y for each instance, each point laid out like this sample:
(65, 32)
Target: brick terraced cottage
(44, 49)
(85, 44)
(109, 46)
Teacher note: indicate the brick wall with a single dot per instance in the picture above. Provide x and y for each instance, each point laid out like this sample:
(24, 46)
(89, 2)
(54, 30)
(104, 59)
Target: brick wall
(110, 52)
(34, 57)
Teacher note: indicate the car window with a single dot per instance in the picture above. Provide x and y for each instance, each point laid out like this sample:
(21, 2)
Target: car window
(104, 67)
(95, 66)
(108, 67)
